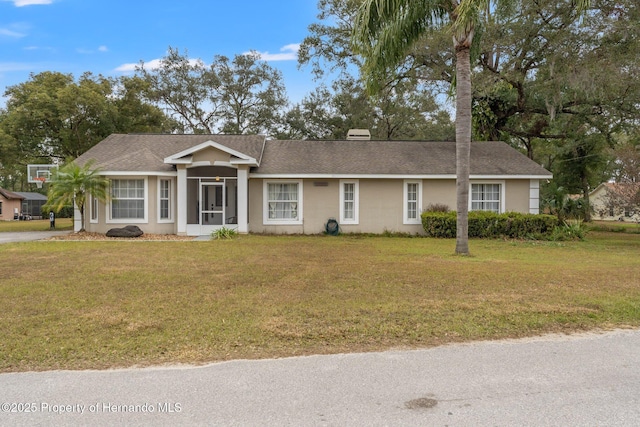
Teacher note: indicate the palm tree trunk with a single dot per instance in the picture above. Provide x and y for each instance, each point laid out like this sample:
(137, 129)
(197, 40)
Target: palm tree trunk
(463, 146)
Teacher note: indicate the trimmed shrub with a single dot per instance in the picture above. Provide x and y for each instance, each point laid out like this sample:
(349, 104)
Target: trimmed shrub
(490, 225)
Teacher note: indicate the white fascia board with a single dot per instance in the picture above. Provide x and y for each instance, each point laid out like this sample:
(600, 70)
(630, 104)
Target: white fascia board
(248, 161)
(186, 160)
(207, 144)
(511, 176)
(137, 173)
(200, 163)
(348, 176)
(394, 176)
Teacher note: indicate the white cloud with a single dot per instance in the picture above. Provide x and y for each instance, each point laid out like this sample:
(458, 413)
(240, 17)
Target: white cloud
(21, 3)
(11, 33)
(288, 53)
(45, 48)
(90, 51)
(154, 64)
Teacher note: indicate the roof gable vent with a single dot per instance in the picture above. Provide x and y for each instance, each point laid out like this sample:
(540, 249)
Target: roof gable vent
(358, 135)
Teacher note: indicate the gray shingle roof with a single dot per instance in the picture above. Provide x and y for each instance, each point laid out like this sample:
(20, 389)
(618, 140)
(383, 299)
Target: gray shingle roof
(10, 194)
(146, 152)
(27, 195)
(392, 158)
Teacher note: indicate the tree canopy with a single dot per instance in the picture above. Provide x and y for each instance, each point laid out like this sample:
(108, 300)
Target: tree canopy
(52, 117)
(242, 95)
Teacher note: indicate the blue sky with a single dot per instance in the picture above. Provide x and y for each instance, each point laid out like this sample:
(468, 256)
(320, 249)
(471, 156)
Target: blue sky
(110, 37)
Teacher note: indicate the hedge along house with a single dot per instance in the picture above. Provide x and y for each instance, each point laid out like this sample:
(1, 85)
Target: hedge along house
(194, 184)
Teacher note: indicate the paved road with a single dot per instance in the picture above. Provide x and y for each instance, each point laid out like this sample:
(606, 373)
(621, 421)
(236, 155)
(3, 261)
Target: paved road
(583, 380)
(28, 236)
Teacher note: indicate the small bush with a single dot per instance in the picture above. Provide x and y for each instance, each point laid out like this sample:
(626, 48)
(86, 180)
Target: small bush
(569, 230)
(437, 207)
(224, 233)
(490, 225)
(439, 224)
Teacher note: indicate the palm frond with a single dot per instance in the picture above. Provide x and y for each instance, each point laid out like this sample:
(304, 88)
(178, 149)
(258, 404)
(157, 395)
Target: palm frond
(384, 31)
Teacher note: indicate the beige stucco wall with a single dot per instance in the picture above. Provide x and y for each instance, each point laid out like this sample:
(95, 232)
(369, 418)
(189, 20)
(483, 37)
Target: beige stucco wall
(380, 207)
(151, 225)
(439, 191)
(8, 207)
(211, 154)
(517, 195)
(380, 204)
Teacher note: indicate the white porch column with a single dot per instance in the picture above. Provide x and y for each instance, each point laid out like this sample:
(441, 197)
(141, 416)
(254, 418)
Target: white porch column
(243, 199)
(182, 200)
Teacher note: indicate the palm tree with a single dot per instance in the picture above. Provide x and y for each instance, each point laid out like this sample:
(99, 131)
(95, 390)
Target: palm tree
(73, 184)
(385, 30)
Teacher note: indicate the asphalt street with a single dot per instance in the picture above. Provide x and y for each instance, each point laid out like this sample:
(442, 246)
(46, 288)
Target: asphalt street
(590, 379)
(28, 236)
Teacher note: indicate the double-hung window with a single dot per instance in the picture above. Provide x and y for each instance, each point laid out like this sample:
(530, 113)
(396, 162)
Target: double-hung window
(283, 202)
(164, 200)
(93, 218)
(349, 202)
(412, 202)
(128, 199)
(486, 197)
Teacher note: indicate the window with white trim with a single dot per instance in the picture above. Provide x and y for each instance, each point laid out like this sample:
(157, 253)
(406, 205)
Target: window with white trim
(128, 199)
(93, 217)
(283, 202)
(164, 199)
(349, 202)
(486, 197)
(412, 202)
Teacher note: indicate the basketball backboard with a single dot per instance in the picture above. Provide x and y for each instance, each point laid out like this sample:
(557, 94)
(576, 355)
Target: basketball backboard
(39, 174)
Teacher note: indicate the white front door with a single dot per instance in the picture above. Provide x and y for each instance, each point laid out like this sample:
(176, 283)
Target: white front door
(212, 206)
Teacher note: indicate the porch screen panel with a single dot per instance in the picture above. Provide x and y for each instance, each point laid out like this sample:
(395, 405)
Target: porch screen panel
(283, 200)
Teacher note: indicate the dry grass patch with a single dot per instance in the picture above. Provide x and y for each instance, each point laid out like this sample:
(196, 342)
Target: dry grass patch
(96, 304)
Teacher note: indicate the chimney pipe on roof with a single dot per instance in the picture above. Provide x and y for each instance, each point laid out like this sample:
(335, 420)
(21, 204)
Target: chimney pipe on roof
(358, 135)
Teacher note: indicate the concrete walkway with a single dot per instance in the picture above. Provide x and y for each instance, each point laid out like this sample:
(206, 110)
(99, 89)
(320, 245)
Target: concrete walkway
(29, 236)
(580, 380)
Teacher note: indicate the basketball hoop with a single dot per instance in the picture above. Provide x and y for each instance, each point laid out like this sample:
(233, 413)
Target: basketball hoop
(39, 180)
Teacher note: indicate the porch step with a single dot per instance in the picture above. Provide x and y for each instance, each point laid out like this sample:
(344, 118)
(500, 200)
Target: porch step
(203, 238)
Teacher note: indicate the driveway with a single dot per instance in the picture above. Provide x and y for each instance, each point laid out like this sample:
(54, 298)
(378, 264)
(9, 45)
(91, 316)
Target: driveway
(586, 380)
(28, 236)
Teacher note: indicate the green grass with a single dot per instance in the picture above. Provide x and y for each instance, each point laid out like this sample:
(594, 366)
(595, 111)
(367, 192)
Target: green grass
(615, 226)
(96, 304)
(36, 225)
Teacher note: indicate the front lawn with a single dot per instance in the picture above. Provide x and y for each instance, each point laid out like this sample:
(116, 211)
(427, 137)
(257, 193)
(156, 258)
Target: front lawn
(36, 225)
(97, 304)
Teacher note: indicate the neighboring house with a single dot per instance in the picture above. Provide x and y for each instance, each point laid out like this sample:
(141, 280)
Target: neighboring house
(194, 184)
(612, 201)
(10, 205)
(32, 204)
(20, 205)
